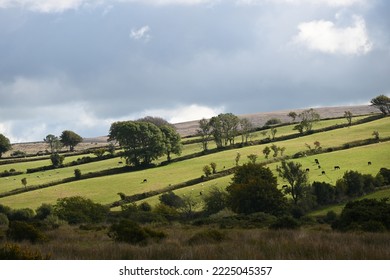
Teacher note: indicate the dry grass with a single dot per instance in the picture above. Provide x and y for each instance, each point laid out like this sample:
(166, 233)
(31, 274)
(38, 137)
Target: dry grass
(241, 244)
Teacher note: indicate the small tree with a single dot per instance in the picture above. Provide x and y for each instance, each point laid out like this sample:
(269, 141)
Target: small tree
(5, 144)
(207, 170)
(252, 158)
(266, 152)
(24, 182)
(77, 174)
(237, 159)
(213, 166)
(99, 152)
(215, 200)
(275, 149)
(70, 139)
(273, 133)
(293, 115)
(53, 142)
(57, 159)
(376, 135)
(348, 115)
(382, 102)
(296, 177)
(205, 133)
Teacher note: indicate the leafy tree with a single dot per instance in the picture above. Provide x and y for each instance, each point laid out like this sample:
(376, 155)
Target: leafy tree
(53, 142)
(296, 177)
(376, 135)
(99, 152)
(245, 128)
(348, 115)
(325, 193)
(237, 159)
(213, 166)
(157, 121)
(254, 189)
(382, 102)
(57, 159)
(207, 170)
(205, 133)
(266, 152)
(273, 121)
(252, 158)
(308, 118)
(5, 144)
(171, 199)
(293, 115)
(275, 149)
(224, 129)
(24, 182)
(70, 139)
(172, 141)
(215, 200)
(273, 133)
(142, 141)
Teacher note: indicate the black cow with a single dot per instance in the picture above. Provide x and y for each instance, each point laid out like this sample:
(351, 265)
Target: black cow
(336, 167)
(369, 163)
(323, 172)
(307, 169)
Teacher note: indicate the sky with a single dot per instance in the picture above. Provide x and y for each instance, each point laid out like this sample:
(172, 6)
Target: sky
(81, 65)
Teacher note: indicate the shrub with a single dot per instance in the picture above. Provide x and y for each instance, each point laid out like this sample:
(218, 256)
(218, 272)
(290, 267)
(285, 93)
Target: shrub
(366, 214)
(171, 199)
(14, 252)
(77, 174)
(44, 211)
(24, 214)
(57, 159)
(4, 222)
(215, 200)
(273, 121)
(285, 222)
(19, 231)
(77, 210)
(130, 232)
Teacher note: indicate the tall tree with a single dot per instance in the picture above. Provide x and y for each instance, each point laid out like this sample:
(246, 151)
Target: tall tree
(70, 139)
(205, 133)
(296, 177)
(382, 102)
(245, 129)
(5, 144)
(172, 141)
(53, 142)
(224, 129)
(143, 142)
(348, 115)
(254, 189)
(308, 118)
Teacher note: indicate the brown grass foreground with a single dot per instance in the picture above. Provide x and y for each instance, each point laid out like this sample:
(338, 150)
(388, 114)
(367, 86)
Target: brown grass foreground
(71, 243)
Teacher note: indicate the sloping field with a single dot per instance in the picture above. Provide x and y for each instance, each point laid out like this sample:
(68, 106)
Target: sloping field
(105, 189)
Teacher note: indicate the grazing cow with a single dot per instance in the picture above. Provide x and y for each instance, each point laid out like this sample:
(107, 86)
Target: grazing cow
(145, 181)
(336, 167)
(323, 172)
(319, 166)
(200, 193)
(307, 169)
(369, 163)
(316, 161)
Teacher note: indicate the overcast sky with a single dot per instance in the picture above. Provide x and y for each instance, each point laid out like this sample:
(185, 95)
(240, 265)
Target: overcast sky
(82, 64)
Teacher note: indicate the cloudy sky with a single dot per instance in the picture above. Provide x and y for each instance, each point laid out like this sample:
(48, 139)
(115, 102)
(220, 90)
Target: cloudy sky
(83, 64)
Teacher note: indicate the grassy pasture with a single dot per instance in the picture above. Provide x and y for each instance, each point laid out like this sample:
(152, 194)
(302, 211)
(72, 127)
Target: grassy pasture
(105, 189)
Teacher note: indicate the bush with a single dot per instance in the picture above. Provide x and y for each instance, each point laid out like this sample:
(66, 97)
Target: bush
(215, 200)
(4, 222)
(15, 252)
(44, 211)
(76, 210)
(77, 174)
(19, 231)
(130, 232)
(25, 214)
(171, 199)
(285, 222)
(364, 215)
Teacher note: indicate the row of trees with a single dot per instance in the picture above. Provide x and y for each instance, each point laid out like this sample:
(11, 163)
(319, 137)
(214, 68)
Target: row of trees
(223, 129)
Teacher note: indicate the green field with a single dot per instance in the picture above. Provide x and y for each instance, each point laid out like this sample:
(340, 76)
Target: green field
(105, 189)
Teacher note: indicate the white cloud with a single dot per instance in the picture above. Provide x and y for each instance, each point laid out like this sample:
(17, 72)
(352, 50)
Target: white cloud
(325, 36)
(141, 33)
(183, 113)
(331, 3)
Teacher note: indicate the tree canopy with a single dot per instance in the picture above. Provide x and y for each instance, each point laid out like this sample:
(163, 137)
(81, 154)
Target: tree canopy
(70, 139)
(5, 144)
(254, 189)
(382, 102)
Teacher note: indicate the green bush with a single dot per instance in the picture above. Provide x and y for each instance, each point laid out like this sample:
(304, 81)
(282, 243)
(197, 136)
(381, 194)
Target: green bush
(4, 222)
(364, 215)
(19, 231)
(14, 252)
(25, 214)
(77, 174)
(76, 210)
(131, 232)
(285, 222)
(44, 211)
